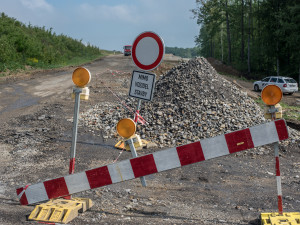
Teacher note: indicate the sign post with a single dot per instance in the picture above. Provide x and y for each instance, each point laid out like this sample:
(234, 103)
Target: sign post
(147, 53)
(136, 116)
(271, 96)
(81, 77)
(126, 129)
(77, 92)
(148, 50)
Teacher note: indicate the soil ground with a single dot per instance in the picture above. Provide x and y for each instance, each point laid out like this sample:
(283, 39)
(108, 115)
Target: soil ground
(35, 140)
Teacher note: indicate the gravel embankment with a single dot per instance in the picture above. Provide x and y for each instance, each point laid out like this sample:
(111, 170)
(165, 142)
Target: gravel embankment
(191, 102)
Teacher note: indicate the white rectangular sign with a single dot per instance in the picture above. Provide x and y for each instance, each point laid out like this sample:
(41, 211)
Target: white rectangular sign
(142, 85)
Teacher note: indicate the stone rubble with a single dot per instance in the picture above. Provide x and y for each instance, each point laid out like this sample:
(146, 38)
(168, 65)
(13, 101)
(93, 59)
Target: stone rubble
(191, 102)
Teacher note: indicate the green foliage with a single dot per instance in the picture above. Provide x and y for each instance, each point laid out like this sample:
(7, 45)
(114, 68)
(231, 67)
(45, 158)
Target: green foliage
(22, 45)
(264, 34)
(289, 112)
(183, 52)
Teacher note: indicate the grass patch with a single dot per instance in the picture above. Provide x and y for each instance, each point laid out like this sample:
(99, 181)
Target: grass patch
(260, 102)
(237, 77)
(75, 61)
(288, 112)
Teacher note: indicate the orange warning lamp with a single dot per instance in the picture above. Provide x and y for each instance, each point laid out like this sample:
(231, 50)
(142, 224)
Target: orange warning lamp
(126, 128)
(271, 94)
(81, 77)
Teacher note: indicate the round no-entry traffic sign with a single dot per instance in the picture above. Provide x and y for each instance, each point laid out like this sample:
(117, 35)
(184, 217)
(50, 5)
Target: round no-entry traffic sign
(148, 50)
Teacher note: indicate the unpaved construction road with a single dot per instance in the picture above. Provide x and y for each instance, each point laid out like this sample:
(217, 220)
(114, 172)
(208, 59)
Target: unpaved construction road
(35, 139)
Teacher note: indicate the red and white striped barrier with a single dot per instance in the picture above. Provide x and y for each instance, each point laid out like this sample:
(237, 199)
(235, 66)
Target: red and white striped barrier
(139, 118)
(157, 162)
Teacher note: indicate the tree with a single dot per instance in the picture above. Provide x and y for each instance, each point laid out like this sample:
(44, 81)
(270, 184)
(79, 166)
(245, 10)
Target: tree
(228, 31)
(249, 36)
(242, 31)
(272, 28)
(27, 45)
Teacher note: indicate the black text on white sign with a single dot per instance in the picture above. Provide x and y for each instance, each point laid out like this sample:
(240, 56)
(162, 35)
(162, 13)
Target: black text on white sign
(142, 85)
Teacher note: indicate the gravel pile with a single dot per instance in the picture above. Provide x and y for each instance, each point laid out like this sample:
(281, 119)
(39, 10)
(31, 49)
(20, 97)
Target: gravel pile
(191, 102)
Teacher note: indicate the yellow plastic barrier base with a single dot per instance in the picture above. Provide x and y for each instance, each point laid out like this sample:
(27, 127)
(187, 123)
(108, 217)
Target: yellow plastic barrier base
(84, 95)
(60, 210)
(137, 141)
(290, 218)
(278, 115)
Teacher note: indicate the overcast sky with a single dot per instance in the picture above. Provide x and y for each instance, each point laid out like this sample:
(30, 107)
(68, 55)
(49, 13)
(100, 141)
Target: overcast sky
(110, 24)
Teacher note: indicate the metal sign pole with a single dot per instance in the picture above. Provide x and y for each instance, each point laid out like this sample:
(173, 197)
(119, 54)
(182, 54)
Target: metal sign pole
(137, 112)
(273, 111)
(77, 92)
(134, 155)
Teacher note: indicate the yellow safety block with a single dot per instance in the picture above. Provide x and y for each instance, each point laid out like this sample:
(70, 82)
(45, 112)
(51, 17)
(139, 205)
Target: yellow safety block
(84, 95)
(144, 142)
(60, 210)
(137, 141)
(290, 218)
(268, 115)
(120, 145)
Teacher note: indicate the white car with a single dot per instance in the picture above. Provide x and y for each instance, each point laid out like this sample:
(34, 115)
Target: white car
(286, 84)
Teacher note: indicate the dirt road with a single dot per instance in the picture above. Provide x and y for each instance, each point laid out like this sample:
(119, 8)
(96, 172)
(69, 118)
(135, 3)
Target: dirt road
(35, 141)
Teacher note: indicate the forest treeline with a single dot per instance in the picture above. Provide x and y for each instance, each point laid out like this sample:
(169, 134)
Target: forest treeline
(255, 36)
(22, 45)
(183, 52)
